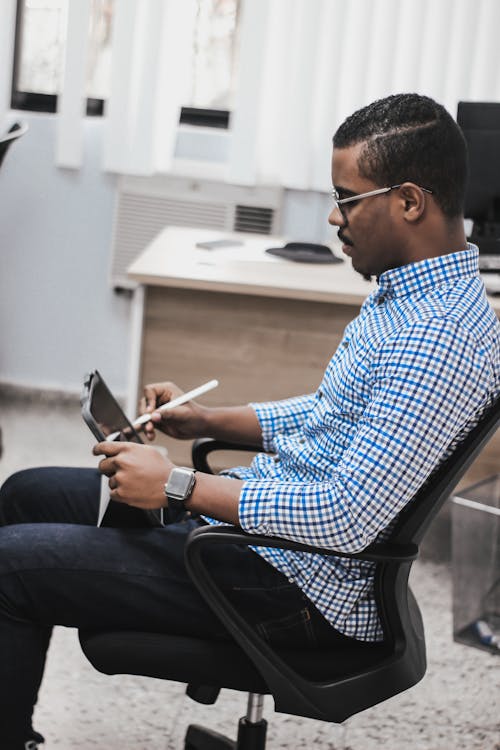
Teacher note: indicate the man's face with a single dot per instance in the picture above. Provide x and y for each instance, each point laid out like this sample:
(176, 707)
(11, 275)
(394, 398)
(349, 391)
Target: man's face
(369, 228)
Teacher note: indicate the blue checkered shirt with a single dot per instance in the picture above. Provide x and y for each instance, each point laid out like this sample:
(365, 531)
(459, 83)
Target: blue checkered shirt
(410, 377)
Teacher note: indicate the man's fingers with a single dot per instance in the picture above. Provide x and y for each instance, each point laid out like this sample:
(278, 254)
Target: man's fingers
(150, 399)
(147, 404)
(111, 450)
(107, 467)
(108, 448)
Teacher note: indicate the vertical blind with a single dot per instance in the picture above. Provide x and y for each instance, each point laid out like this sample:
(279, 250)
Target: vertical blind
(322, 60)
(304, 66)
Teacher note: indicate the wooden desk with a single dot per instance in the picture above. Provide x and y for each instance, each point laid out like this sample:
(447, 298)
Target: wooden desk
(264, 327)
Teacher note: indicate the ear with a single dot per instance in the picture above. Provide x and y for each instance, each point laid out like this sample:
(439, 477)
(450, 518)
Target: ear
(412, 199)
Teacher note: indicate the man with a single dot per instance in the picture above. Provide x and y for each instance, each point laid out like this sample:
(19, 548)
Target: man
(412, 375)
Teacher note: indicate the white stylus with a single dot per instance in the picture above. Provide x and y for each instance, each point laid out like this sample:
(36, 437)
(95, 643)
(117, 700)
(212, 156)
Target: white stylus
(178, 401)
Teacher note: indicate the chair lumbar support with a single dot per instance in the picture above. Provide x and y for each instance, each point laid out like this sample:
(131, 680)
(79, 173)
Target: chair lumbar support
(252, 730)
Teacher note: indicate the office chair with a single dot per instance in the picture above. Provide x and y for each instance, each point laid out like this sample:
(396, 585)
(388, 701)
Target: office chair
(14, 132)
(328, 683)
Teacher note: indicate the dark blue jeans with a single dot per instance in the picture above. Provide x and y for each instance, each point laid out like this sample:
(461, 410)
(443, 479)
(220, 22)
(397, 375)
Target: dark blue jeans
(57, 568)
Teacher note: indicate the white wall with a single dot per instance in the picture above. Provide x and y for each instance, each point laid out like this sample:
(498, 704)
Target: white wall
(59, 316)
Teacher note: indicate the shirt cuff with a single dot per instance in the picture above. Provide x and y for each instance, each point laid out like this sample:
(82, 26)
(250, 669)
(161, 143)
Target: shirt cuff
(281, 417)
(253, 509)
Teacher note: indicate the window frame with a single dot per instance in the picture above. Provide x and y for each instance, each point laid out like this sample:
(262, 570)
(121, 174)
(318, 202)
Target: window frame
(33, 101)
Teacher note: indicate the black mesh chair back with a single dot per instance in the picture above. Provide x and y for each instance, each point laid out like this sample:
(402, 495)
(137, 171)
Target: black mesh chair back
(416, 518)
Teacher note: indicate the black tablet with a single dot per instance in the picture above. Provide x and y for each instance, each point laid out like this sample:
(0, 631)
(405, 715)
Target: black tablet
(102, 412)
(107, 421)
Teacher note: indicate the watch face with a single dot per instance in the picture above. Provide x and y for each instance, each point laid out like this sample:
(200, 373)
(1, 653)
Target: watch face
(179, 483)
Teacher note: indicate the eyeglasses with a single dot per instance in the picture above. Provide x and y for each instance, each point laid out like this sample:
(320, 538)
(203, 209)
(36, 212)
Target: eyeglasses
(339, 202)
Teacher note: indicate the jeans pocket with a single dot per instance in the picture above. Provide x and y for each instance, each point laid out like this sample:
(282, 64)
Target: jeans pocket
(291, 630)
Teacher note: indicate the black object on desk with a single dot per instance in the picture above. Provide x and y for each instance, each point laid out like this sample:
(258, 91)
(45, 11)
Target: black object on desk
(305, 252)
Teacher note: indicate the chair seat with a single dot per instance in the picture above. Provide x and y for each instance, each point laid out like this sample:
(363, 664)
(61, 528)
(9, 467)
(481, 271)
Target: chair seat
(197, 661)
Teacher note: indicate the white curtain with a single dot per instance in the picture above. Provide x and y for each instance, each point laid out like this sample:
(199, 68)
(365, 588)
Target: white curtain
(304, 66)
(71, 103)
(150, 56)
(307, 64)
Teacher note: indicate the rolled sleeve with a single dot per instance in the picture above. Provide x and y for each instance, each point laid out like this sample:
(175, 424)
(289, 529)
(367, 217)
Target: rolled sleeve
(282, 417)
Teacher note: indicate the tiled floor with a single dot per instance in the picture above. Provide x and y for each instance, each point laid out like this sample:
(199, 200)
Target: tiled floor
(457, 704)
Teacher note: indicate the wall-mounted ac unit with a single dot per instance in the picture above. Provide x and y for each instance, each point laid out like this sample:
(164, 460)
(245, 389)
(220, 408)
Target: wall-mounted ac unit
(146, 205)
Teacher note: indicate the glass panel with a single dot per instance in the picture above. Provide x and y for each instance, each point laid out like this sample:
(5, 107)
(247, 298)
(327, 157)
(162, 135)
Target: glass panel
(476, 565)
(42, 46)
(215, 46)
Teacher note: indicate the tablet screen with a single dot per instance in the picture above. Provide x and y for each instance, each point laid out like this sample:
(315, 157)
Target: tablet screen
(103, 413)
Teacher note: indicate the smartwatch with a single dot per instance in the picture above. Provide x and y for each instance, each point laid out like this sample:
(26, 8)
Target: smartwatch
(179, 487)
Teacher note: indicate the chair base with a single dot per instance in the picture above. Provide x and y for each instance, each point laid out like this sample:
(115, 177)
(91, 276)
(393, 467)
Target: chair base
(251, 736)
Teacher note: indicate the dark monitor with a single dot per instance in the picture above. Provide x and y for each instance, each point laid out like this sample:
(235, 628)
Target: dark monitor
(480, 124)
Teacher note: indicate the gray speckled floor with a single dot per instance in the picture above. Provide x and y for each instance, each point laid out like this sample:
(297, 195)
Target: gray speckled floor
(457, 704)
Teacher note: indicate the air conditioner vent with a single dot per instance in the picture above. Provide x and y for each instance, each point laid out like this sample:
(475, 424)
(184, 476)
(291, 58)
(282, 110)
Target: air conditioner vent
(145, 206)
(253, 219)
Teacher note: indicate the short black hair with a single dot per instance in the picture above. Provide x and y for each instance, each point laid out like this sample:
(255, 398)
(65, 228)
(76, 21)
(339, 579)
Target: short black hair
(410, 137)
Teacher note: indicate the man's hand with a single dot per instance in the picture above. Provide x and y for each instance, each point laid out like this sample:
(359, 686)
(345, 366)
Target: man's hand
(184, 422)
(238, 424)
(137, 473)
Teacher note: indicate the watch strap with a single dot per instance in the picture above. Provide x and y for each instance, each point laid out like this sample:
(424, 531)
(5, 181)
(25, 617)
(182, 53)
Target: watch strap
(179, 487)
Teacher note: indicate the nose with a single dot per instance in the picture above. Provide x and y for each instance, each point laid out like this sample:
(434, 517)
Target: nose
(336, 218)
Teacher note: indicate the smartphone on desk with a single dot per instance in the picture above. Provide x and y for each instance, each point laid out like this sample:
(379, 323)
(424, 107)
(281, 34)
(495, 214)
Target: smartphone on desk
(106, 420)
(218, 244)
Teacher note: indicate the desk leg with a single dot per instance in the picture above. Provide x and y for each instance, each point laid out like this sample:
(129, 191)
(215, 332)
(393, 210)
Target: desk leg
(136, 329)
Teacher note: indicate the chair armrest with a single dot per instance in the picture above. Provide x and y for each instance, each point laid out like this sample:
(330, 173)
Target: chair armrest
(203, 446)
(377, 552)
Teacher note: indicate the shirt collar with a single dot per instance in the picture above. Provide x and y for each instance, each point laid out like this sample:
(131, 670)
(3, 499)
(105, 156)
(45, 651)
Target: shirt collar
(426, 274)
